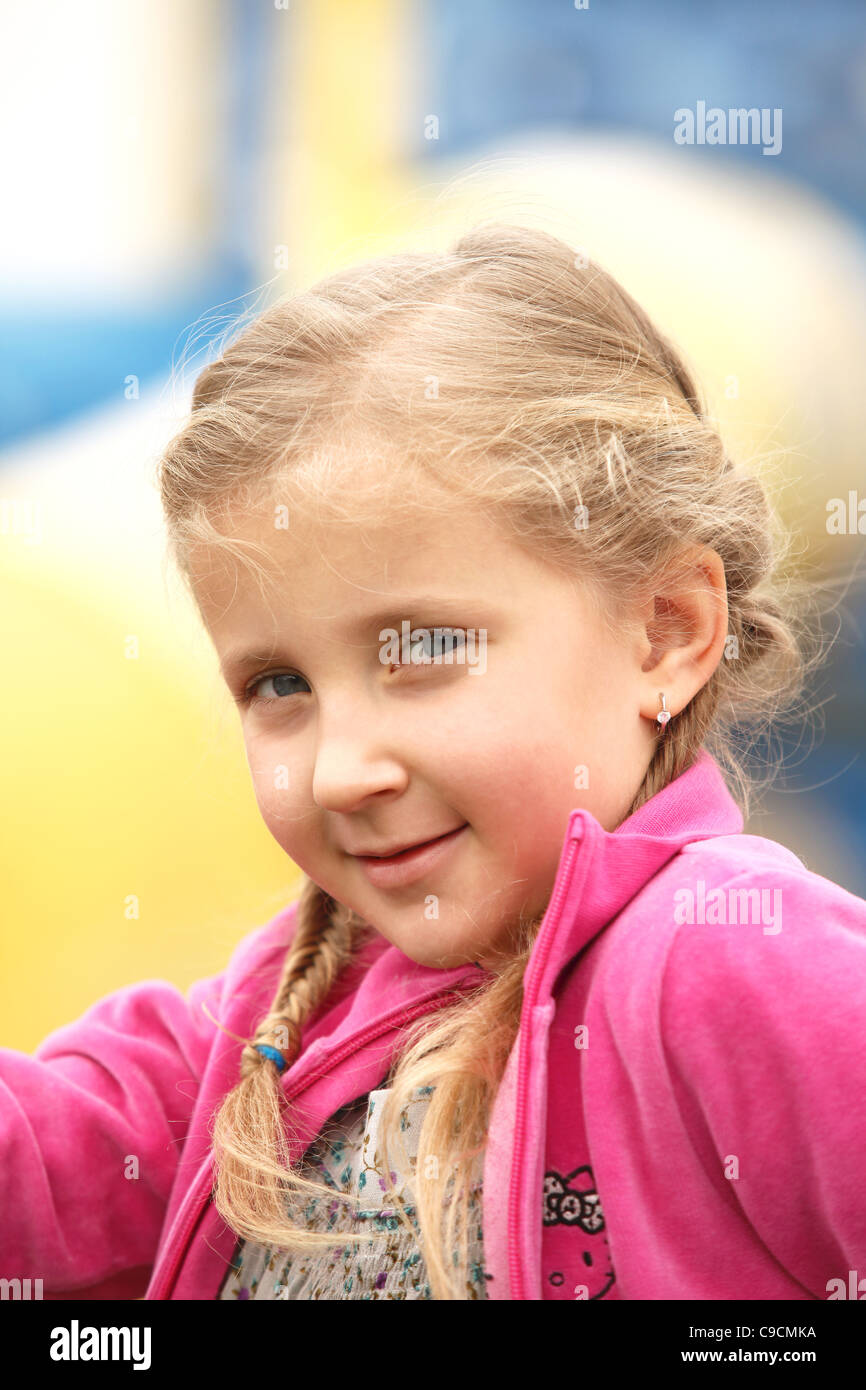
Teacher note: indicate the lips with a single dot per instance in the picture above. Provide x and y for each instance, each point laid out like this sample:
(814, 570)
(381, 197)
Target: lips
(413, 863)
(403, 849)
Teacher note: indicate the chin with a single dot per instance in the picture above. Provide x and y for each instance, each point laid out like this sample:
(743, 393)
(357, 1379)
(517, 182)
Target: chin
(442, 958)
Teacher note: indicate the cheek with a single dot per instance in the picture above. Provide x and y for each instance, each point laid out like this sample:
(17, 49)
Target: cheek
(292, 823)
(271, 802)
(273, 808)
(275, 783)
(515, 765)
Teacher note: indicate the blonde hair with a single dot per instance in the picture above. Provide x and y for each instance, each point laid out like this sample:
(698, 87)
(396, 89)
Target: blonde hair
(524, 381)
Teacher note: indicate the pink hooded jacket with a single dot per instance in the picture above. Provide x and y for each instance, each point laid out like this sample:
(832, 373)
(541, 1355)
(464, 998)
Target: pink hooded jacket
(683, 1114)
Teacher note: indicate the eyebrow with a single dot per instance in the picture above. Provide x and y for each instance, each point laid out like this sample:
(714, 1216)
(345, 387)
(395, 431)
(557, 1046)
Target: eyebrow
(241, 659)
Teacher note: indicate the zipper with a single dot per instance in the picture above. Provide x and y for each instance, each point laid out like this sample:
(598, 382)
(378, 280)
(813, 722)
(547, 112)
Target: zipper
(201, 1194)
(530, 995)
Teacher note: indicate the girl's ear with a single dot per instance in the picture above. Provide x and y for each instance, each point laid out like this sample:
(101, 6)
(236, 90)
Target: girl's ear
(685, 626)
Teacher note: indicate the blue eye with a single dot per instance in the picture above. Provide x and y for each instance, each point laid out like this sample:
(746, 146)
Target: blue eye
(282, 684)
(434, 648)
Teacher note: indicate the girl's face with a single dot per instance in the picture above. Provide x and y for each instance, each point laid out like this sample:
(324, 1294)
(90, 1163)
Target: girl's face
(355, 750)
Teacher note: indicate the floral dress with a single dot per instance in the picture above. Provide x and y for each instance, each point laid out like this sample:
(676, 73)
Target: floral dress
(345, 1157)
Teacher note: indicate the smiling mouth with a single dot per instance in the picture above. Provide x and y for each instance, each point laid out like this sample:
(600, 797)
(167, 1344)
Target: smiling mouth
(401, 870)
(409, 849)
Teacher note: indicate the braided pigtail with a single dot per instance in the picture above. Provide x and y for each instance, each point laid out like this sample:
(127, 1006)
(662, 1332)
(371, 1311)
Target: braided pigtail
(250, 1143)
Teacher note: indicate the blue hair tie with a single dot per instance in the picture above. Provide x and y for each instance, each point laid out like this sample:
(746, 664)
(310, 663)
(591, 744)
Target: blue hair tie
(271, 1052)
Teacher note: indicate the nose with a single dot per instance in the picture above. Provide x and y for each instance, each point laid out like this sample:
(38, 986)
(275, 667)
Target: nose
(349, 769)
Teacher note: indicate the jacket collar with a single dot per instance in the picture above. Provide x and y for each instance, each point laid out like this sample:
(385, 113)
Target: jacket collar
(600, 871)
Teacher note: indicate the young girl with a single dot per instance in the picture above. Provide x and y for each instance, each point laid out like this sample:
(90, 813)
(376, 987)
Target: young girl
(544, 1023)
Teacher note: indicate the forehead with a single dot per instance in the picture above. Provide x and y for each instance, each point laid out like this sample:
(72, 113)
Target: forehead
(296, 555)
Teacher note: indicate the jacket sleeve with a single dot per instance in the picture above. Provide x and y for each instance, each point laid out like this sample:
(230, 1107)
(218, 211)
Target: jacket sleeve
(91, 1127)
(763, 1033)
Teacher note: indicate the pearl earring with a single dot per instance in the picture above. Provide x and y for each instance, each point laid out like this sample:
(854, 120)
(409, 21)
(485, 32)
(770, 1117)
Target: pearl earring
(664, 713)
